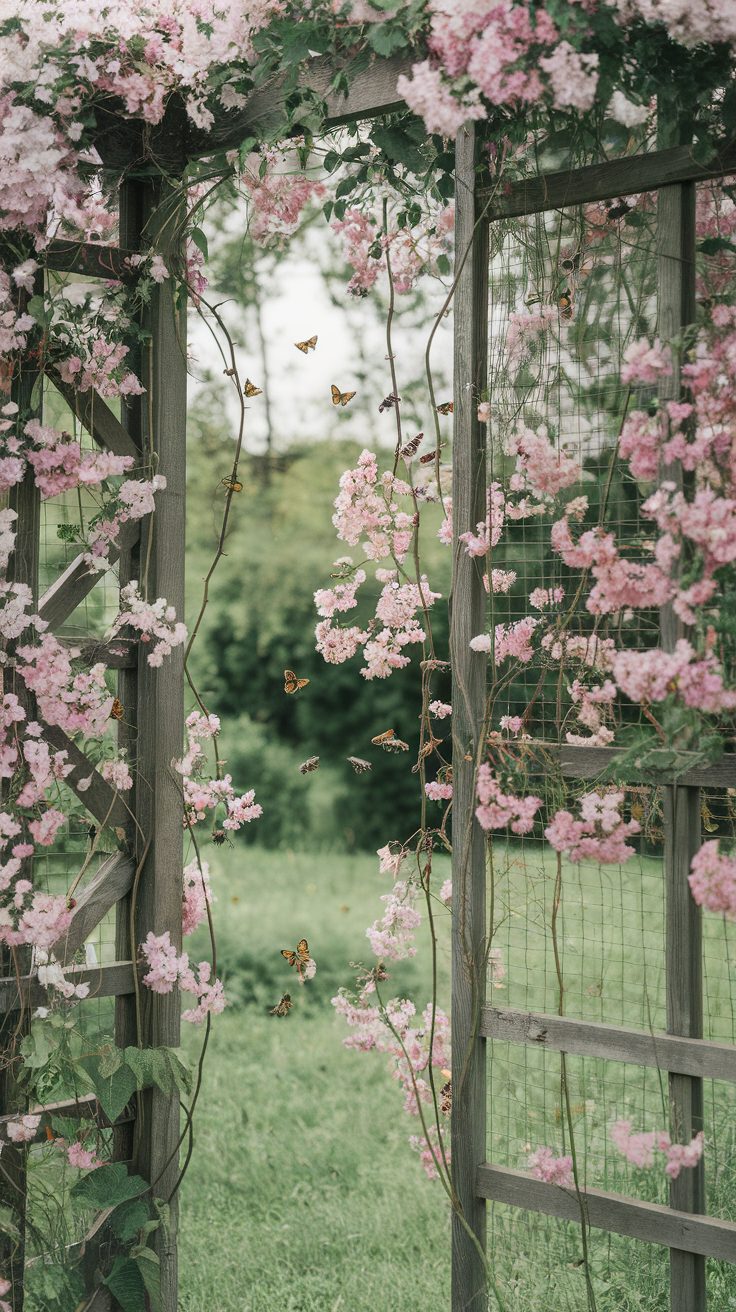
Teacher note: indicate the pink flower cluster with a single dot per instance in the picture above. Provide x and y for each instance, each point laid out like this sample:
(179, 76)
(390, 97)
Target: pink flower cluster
(196, 896)
(278, 192)
(599, 835)
(76, 701)
(653, 675)
(392, 937)
(202, 793)
(541, 468)
(152, 619)
(366, 510)
(543, 1165)
(639, 1148)
(497, 809)
(712, 879)
(166, 968)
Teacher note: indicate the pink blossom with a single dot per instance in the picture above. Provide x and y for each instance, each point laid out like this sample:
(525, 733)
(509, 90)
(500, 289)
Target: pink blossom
(497, 809)
(440, 710)
(543, 1165)
(599, 835)
(712, 879)
(23, 1128)
(437, 791)
(644, 363)
(82, 1158)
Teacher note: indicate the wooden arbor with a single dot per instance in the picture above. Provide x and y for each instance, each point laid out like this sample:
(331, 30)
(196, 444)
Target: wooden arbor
(681, 1051)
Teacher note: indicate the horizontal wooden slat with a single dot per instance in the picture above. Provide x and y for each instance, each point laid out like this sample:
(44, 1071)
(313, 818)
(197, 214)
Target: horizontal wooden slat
(105, 982)
(109, 884)
(100, 798)
(83, 1109)
(372, 91)
(585, 1038)
(61, 599)
(89, 258)
(118, 654)
(97, 417)
(586, 762)
(650, 1222)
(605, 181)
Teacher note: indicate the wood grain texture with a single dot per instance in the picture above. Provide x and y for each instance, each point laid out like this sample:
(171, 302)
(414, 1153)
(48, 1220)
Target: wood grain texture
(467, 618)
(69, 590)
(584, 1038)
(98, 419)
(111, 882)
(676, 310)
(650, 1222)
(372, 91)
(587, 762)
(605, 181)
(104, 981)
(88, 258)
(101, 800)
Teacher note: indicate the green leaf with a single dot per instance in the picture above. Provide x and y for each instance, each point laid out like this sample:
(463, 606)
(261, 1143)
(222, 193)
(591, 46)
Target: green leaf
(113, 1091)
(712, 245)
(108, 1186)
(387, 40)
(398, 147)
(129, 1219)
(127, 1285)
(150, 1269)
(200, 241)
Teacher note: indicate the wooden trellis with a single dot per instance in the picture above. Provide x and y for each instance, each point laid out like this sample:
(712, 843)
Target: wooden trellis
(151, 850)
(682, 1052)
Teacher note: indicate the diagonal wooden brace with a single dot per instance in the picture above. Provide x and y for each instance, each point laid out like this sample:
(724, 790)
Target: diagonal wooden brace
(97, 418)
(102, 801)
(70, 589)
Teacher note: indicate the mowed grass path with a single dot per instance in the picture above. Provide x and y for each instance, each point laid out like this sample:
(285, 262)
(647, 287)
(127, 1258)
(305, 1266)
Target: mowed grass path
(303, 1194)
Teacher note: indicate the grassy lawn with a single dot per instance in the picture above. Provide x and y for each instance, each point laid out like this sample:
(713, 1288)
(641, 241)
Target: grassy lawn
(303, 1194)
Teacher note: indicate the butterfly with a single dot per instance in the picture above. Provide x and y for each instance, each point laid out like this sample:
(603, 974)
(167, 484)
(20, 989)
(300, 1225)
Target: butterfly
(446, 1098)
(411, 448)
(359, 765)
(232, 484)
(429, 458)
(395, 745)
(219, 837)
(298, 957)
(618, 210)
(340, 398)
(312, 763)
(250, 389)
(384, 737)
(283, 1007)
(388, 402)
(565, 305)
(447, 408)
(117, 709)
(307, 346)
(292, 683)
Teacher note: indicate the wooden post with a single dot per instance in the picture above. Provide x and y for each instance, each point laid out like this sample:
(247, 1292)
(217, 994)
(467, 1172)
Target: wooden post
(683, 936)
(467, 618)
(23, 567)
(152, 208)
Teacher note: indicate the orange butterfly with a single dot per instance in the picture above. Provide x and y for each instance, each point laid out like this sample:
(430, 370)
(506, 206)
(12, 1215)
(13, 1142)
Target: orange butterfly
(384, 737)
(117, 709)
(250, 389)
(340, 398)
(300, 956)
(292, 683)
(565, 305)
(283, 1007)
(232, 484)
(307, 346)
(447, 408)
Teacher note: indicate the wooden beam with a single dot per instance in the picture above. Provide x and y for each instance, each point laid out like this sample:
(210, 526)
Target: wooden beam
(586, 1038)
(104, 981)
(97, 417)
(605, 181)
(88, 258)
(112, 881)
(587, 762)
(371, 92)
(69, 590)
(649, 1222)
(467, 617)
(100, 798)
(118, 654)
(82, 1109)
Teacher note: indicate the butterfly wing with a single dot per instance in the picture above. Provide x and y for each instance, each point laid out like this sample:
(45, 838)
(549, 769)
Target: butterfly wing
(446, 408)
(302, 950)
(250, 389)
(383, 737)
(290, 956)
(336, 394)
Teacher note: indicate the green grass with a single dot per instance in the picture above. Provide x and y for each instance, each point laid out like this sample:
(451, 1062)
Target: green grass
(303, 1194)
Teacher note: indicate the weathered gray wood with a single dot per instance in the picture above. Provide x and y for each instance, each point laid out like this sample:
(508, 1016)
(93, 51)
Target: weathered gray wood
(467, 618)
(587, 1038)
(371, 91)
(161, 703)
(605, 181)
(88, 258)
(69, 590)
(101, 799)
(82, 1109)
(650, 1222)
(98, 419)
(676, 309)
(587, 762)
(104, 981)
(111, 882)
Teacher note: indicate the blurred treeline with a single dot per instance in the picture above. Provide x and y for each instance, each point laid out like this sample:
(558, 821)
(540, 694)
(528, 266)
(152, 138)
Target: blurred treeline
(261, 617)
